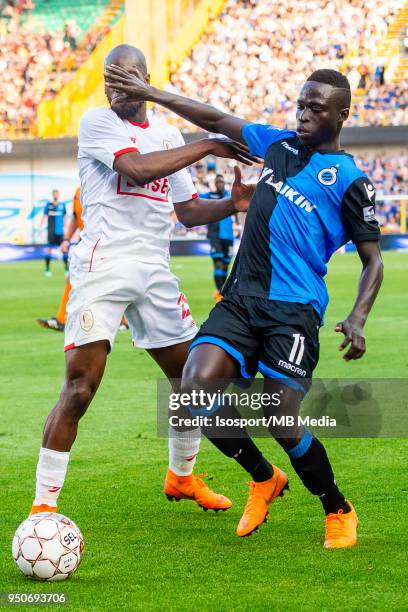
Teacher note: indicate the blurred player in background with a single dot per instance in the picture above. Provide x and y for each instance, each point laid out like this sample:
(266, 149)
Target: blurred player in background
(310, 199)
(54, 213)
(221, 237)
(201, 178)
(128, 166)
(57, 323)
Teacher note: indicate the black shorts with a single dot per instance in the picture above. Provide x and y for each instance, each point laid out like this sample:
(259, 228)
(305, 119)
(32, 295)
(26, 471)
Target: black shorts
(279, 339)
(54, 239)
(222, 249)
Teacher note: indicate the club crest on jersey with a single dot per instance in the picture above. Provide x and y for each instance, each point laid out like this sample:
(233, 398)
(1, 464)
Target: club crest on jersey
(86, 320)
(327, 176)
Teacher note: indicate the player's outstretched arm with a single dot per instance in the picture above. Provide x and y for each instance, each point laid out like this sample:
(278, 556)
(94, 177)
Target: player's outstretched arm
(130, 87)
(369, 285)
(200, 211)
(144, 168)
(68, 233)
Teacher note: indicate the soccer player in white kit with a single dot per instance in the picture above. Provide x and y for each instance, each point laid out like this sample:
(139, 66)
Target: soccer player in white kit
(128, 169)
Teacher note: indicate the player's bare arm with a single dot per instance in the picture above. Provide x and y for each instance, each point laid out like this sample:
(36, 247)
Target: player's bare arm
(369, 285)
(130, 87)
(69, 232)
(200, 211)
(143, 169)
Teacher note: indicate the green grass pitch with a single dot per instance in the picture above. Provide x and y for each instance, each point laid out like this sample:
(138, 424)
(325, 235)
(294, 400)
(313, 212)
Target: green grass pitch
(143, 553)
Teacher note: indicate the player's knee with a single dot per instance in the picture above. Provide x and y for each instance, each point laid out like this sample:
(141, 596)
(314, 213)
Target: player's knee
(194, 380)
(189, 383)
(78, 394)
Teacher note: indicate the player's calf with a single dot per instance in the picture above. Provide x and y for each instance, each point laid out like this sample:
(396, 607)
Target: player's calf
(62, 423)
(59, 435)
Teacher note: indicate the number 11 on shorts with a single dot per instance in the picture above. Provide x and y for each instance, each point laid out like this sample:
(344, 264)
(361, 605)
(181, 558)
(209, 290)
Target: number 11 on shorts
(298, 349)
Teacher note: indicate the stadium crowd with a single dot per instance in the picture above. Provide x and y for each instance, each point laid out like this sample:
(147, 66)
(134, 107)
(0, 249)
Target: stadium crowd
(389, 174)
(255, 57)
(35, 64)
(251, 61)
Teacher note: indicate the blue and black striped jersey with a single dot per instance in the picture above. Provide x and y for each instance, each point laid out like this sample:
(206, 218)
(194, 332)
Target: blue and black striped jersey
(306, 205)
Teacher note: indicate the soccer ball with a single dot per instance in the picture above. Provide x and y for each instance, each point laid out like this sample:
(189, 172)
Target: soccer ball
(48, 546)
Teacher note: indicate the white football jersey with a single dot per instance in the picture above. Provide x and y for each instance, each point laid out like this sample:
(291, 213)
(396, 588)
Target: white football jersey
(123, 219)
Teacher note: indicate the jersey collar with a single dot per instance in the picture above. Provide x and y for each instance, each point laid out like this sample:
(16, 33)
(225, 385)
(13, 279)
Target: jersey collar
(141, 125)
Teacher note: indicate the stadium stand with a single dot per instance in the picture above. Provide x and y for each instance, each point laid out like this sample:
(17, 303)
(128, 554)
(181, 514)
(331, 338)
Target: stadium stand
(45, 41)
(260, 53)
(42, 45)
(53, 15)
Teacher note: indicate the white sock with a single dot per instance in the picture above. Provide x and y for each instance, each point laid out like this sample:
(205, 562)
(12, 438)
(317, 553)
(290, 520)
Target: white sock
(183, 450)
(51, 471)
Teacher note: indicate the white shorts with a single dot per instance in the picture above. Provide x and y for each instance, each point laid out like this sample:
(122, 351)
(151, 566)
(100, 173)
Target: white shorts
(147, 294)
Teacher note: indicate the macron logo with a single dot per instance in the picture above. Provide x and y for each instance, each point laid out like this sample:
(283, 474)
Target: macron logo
(291, 367)
(370, 191)
(289, 148)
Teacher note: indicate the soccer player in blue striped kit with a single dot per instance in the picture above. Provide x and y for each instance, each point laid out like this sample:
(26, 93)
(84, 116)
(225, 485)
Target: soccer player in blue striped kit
(221, 238)
(310, 200)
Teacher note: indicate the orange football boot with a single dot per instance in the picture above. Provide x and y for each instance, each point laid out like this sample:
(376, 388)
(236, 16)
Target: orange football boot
(341, 529)
(42, 508)
(261, 494)
(192, 487)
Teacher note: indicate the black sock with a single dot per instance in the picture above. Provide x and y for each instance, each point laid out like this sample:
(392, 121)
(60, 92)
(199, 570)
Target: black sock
(311, 463)
(247, 454)
(219, 278)
(47, 263)
(239, 446)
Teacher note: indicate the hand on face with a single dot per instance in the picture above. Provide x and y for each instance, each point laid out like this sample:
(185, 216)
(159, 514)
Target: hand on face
(128, 85)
